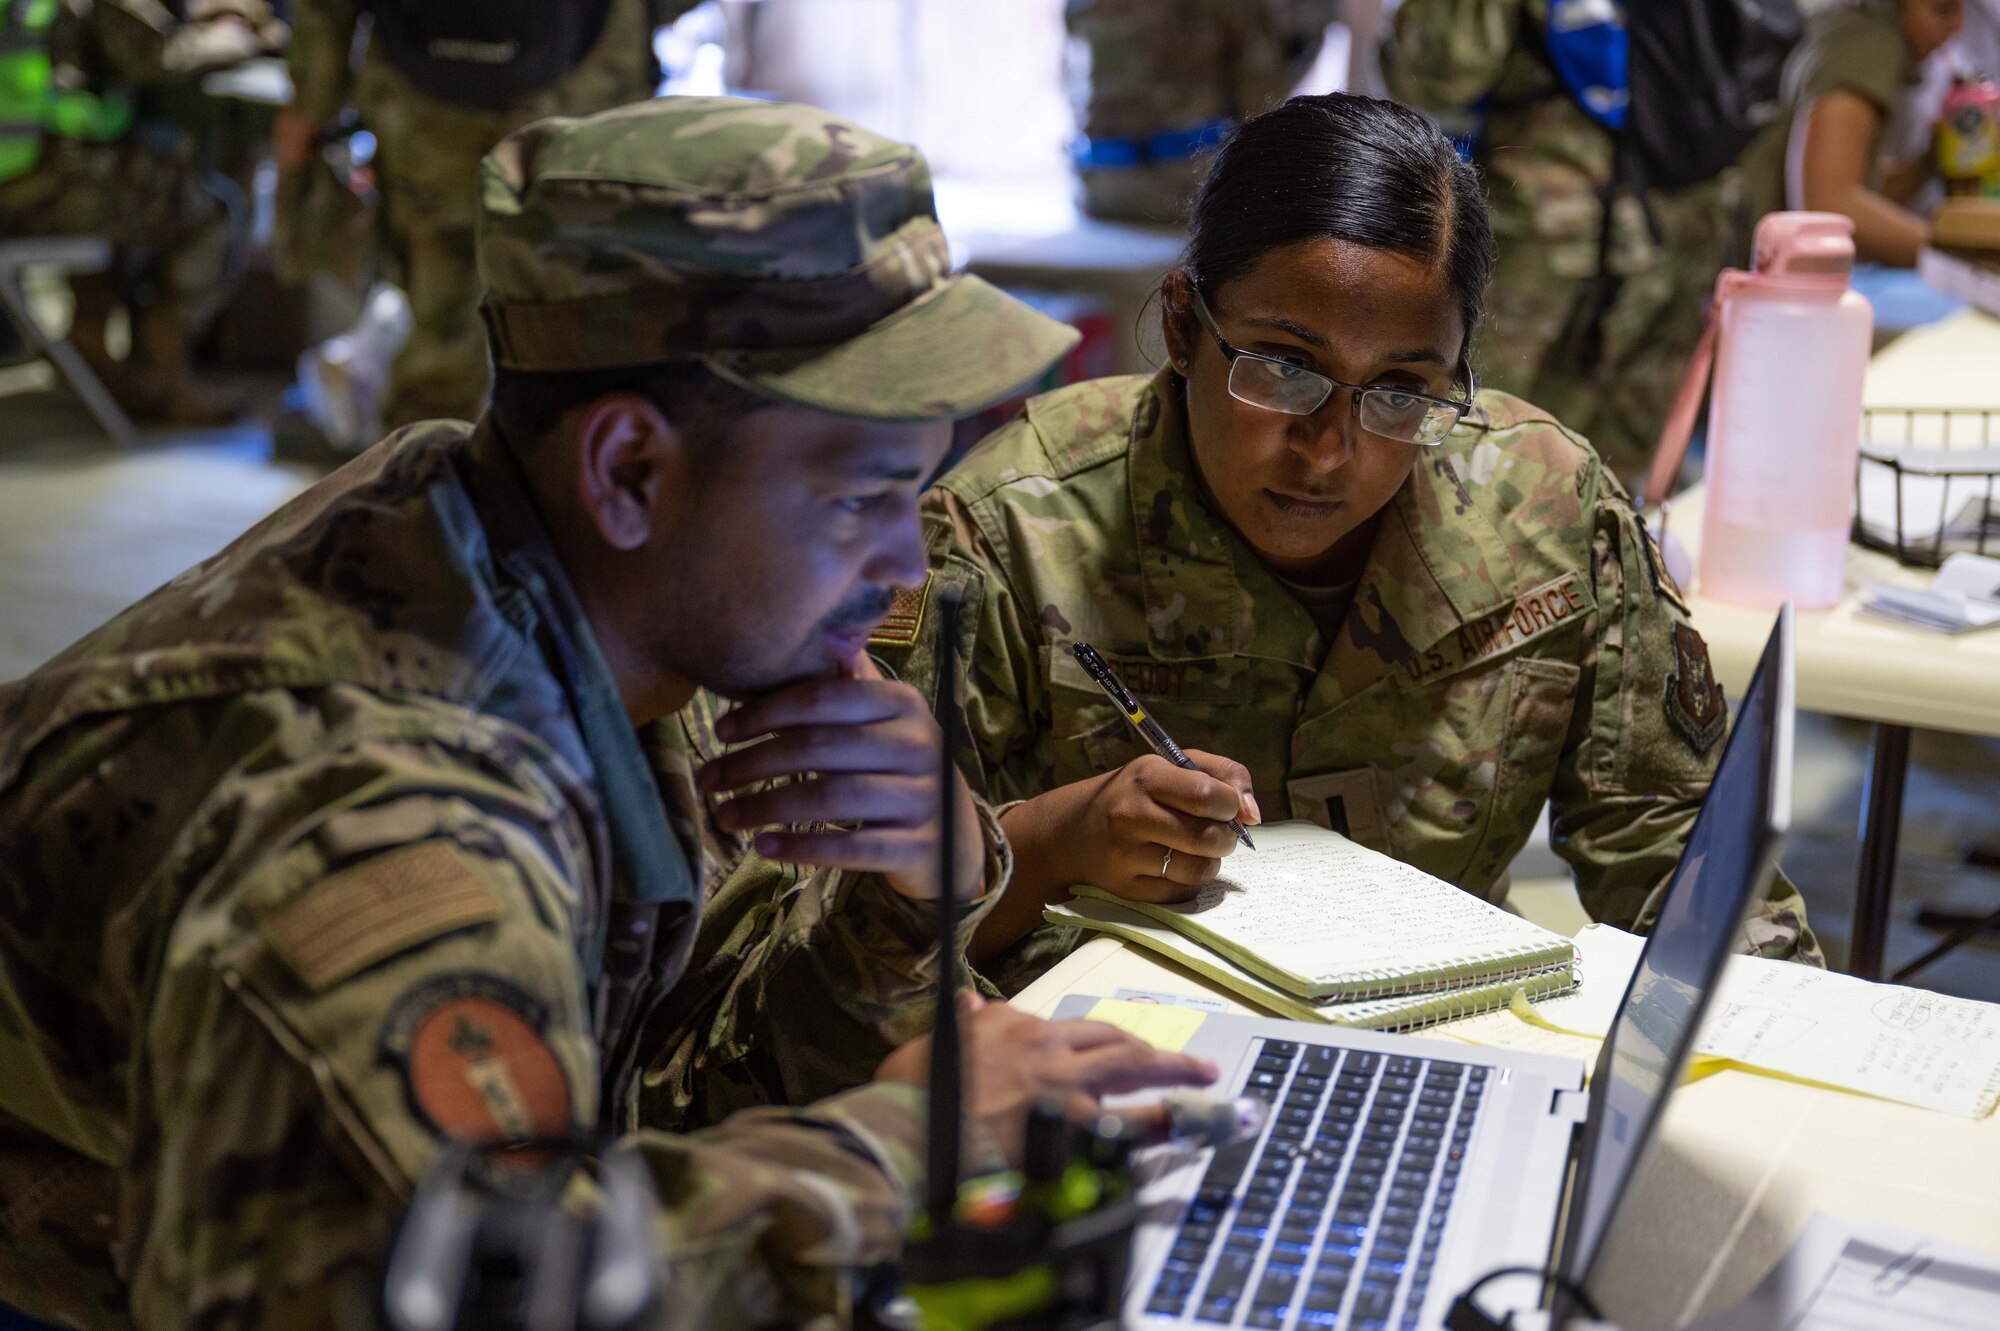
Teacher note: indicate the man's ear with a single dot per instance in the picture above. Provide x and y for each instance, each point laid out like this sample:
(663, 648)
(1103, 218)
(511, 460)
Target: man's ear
(628, 455)
(1177, 319)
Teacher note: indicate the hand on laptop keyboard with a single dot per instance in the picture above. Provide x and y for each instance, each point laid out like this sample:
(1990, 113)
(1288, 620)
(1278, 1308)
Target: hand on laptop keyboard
(1013, 1061)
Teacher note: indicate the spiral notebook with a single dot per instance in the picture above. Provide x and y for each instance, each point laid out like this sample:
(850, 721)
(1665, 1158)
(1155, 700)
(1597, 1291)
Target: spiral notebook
(1402, 1012)
(1318, 917)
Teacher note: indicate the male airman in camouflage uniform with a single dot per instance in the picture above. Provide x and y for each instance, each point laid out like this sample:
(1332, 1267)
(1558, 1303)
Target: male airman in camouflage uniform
(1158, 83)
(1513, 639)
(80, 157)
(1547, 164)
(427, 170)
(373, 830)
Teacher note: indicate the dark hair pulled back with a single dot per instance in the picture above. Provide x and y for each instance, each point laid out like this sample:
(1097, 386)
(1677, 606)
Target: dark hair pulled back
(1353, 168)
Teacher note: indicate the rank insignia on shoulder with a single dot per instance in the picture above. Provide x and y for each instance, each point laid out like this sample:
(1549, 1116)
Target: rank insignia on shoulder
(1664, 585)
(905, 620)
(1695, 706)
(476, 1062)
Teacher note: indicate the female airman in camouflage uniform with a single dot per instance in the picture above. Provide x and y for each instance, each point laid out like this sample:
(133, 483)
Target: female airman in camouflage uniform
(1401, 609)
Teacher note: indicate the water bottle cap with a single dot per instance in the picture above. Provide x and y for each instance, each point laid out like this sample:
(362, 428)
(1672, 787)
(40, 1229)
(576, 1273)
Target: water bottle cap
(1812, 248)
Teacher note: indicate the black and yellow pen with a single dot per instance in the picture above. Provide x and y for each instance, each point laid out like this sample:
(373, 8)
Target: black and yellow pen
(1160, 741)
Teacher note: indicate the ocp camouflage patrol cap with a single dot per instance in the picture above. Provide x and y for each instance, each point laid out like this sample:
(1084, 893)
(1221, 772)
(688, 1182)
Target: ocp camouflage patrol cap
(794, 252)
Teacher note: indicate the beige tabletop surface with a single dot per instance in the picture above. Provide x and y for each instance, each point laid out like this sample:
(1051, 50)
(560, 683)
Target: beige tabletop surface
(1851, 665)
(1954, 362)
(1744, 1158)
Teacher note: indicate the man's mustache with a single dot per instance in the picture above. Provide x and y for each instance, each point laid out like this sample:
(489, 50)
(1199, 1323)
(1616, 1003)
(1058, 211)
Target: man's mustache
(864, 611)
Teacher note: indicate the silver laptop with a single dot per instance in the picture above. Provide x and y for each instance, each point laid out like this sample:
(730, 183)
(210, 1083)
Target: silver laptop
(1392, 1172)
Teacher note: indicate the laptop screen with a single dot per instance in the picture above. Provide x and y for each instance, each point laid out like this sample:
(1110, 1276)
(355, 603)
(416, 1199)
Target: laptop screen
(1728, 861)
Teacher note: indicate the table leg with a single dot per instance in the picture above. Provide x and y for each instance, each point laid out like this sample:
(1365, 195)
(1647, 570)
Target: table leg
(1882, 823)
(69, 363)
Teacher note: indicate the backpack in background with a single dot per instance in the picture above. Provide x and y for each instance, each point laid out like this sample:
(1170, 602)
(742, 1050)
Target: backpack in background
(485, 54)
(1684, 85)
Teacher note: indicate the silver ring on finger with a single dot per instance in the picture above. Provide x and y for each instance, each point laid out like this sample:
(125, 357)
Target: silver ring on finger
(1165, 860)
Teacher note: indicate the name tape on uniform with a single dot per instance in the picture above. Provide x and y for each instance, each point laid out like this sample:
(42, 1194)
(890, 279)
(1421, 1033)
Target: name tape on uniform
(1152, 679)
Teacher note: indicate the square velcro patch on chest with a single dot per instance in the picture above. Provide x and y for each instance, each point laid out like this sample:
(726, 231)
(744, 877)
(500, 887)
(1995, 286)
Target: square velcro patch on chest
(904, 623)
(390, 902)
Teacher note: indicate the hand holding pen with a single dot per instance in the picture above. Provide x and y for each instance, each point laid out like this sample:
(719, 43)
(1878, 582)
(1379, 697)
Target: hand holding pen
(1155, 829)
(1149, 729)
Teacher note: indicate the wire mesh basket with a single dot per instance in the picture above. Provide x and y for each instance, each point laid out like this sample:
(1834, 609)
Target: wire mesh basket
(1929, 482)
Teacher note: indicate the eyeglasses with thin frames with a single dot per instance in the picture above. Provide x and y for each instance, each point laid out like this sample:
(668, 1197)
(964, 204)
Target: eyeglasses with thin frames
(1394, 413)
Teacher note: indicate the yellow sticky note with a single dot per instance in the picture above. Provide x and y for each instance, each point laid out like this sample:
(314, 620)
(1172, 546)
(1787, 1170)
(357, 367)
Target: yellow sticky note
(1159, 1024)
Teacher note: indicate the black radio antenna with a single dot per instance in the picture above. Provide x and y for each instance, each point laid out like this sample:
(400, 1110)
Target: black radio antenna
(950, 1268)
(947, 1098)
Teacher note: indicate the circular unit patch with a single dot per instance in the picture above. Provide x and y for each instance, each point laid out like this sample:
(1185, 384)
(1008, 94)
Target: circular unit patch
(475, 1062)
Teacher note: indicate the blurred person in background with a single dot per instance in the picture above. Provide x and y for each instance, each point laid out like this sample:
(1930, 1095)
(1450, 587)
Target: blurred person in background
(80, 155)
(438, 84)
(1593, 323)
(1911, 130)
(1842, 84)
(1157, 84)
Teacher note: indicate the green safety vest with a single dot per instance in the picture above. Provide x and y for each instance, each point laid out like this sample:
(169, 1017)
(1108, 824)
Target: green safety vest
(31, 104)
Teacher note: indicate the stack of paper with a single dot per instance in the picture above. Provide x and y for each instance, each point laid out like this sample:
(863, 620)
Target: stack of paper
(1902, 1044)
(1965, 595)
(1971, 276)
(1849, 1275)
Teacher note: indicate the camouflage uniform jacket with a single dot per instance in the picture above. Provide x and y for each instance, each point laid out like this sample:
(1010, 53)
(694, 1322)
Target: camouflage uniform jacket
(437, 144)
(1512, 640)
(1480, 66)
(1546, 161)
(108, 43)
(326, 849)
(1860, 49)
(1142, 68)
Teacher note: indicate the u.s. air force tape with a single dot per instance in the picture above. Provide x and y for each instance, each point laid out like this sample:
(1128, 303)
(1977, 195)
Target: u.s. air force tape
(1537, 611)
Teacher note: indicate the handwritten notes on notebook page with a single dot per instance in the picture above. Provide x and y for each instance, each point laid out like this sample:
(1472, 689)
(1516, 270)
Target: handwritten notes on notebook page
(1338, 916)
(1886, 1040)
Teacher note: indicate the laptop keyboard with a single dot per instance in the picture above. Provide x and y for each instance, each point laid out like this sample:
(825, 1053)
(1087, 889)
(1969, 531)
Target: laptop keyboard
(1333, 1215)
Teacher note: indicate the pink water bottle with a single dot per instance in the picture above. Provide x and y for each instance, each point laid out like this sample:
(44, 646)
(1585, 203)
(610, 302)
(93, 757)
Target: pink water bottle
(1784, 434)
